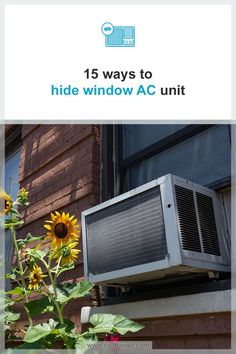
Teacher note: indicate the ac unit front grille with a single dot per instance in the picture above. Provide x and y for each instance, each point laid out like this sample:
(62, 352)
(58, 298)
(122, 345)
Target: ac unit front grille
(207, 222)
(126, 234)
(187, 219)
(196, 218)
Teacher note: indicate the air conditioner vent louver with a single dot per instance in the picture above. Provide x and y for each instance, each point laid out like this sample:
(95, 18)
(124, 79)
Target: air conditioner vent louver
(127, 234)
(187, 219)
(207, 224)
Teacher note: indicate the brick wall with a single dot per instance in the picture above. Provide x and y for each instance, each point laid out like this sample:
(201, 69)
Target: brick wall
(202, 331)
(59, 166)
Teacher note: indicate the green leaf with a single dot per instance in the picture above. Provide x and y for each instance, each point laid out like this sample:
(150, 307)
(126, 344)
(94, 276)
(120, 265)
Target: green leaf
(103, 323)
(62, 269)
(10, 223)
(8, 302)
(82, 341)
(39, 306)
(15, 211)
(10, 276)
(37, 247)
(66, 328)
(68, 291)
(107, 323)
(36, 345)
(38, 253)
(11, 316)
(29, 238)
(34, 333)
(122, 325)
(16, 291)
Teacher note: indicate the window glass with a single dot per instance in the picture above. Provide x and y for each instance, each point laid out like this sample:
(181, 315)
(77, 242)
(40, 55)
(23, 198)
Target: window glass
(11, 174)
(138, 137)
(11, 187)
(204, 159)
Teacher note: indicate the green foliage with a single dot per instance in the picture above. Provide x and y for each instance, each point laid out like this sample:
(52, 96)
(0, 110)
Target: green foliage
(107, 323)
(68, 291)
(32, 266)
(12, 223)
(11, 316)
(18, 291)
(39, 331)
(29, 238)
(8, 302)
(38, 254)
(122, 325)
(10, 276)
(82, 341)
(39, 344)
(59, 270)
(42, 305)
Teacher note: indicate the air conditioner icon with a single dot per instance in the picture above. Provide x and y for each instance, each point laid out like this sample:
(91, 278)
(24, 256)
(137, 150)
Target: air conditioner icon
(118, 36)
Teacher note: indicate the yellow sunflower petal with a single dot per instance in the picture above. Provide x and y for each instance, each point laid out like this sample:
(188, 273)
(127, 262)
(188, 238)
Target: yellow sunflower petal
(73, 244)
(53, 216)
(48, 227)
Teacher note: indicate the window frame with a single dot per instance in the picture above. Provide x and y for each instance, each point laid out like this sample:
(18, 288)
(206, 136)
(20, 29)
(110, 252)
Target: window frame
(113, 183)
(13, 140)
(13, 143)
(114, 167)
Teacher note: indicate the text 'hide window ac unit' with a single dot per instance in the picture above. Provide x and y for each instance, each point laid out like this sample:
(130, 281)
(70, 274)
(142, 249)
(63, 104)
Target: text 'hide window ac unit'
(165, 228)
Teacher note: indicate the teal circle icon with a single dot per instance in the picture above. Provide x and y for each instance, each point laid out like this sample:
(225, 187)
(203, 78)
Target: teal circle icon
(107, 28)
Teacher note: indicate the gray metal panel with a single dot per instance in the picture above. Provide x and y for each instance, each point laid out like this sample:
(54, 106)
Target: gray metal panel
(170, 220)
(126, 234)
(226, 209)
(122, 276)
(200, 259)
(126, 195)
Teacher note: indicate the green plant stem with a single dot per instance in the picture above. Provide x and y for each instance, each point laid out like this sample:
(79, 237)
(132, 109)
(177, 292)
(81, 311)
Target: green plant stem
(58, 265)
(21, 273)
(59, 311)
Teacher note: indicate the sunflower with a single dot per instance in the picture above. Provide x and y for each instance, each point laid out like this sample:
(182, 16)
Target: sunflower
(62, 229)
(68, 254)
(8, 203)
(35, 277)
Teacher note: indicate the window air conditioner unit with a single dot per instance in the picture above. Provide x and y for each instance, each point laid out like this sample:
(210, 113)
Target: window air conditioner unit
(165, 228)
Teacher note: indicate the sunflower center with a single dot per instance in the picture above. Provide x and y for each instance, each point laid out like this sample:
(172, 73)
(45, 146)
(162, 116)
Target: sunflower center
(60, 230)
(6, 204)
(36, 276)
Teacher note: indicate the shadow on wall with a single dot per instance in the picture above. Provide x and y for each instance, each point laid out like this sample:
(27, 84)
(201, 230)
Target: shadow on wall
(60, 168)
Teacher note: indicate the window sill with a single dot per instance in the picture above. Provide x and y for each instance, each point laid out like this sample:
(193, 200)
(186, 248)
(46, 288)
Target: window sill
(212, 302)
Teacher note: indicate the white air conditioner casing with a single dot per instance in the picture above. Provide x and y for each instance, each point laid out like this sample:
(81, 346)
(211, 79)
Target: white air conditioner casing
(166, 228)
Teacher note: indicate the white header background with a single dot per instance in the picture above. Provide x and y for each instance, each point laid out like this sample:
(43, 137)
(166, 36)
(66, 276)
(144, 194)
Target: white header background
(186, 45)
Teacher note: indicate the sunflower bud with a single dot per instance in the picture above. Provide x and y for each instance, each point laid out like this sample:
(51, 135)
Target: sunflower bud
(22, 197)
(27, 258)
